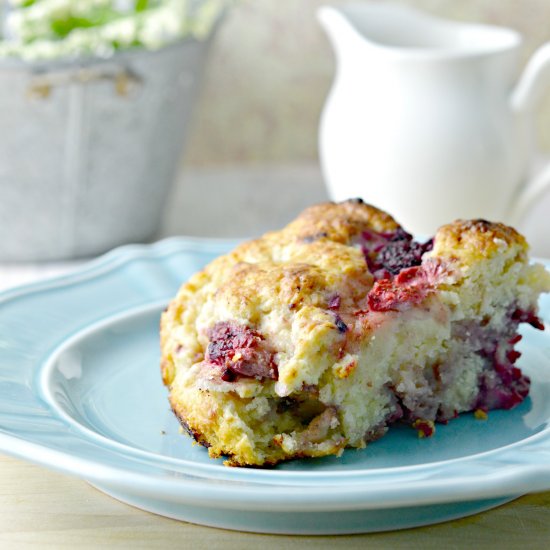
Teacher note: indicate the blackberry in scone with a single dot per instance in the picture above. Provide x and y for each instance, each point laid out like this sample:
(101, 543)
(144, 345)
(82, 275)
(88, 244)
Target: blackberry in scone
(319, 336)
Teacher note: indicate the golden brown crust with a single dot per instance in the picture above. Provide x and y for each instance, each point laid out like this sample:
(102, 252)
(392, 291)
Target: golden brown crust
(327, 223)
(470, 241)
(339, 222)
(304, 264)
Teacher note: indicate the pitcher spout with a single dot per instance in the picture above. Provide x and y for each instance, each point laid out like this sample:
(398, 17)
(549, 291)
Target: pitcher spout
(342, 33)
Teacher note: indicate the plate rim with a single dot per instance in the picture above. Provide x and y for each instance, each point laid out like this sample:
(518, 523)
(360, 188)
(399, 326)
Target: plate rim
(517, 478)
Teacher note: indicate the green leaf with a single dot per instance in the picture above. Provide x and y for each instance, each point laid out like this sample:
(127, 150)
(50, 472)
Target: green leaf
(141, 5)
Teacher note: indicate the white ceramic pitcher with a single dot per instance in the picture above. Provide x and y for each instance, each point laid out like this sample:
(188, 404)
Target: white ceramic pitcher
(424, 118)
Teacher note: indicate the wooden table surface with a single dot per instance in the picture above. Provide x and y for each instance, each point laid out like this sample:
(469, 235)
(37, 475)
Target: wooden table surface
(44, 509)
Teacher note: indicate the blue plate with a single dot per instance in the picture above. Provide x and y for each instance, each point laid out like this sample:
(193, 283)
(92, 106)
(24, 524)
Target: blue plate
(80, 392)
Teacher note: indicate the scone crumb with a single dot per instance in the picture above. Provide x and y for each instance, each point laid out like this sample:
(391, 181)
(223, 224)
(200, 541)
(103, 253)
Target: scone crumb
(480, 414)
(425, 428)
(346, 366)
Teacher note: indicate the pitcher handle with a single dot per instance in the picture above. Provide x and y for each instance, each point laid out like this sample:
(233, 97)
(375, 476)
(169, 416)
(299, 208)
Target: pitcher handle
(529, 194)
(531, 88)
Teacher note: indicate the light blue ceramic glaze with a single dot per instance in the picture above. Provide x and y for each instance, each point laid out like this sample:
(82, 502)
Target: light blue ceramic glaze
(80, 392)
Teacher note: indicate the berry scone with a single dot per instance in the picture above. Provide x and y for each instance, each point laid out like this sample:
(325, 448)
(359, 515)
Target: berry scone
(319, 336)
